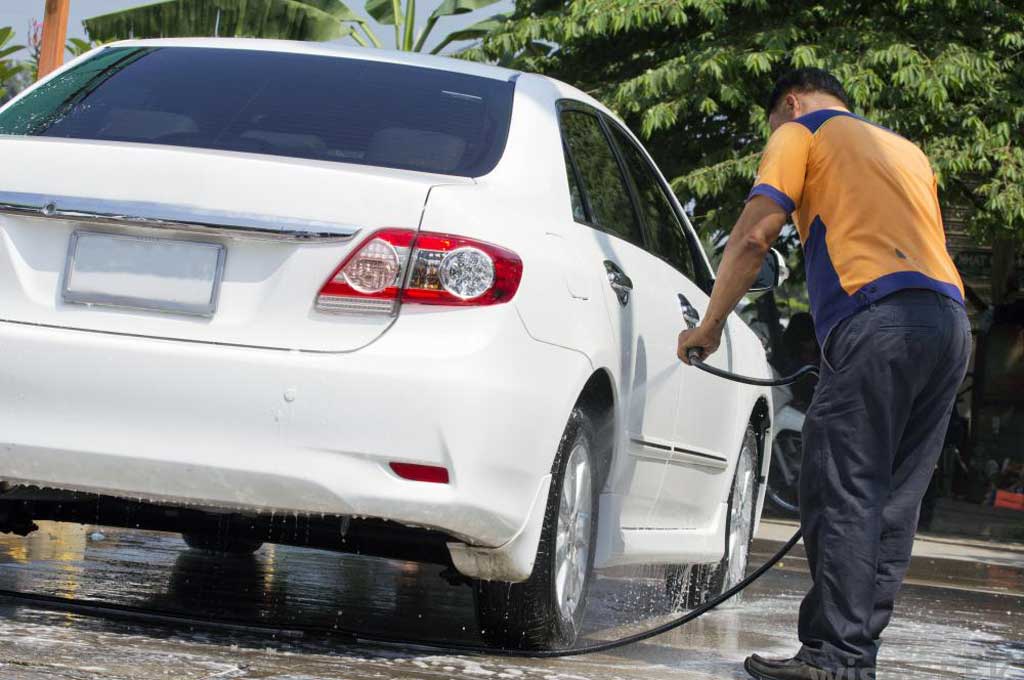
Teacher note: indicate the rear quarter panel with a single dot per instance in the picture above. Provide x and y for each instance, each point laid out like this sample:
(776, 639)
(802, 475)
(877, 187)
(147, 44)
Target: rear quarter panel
(524, 205)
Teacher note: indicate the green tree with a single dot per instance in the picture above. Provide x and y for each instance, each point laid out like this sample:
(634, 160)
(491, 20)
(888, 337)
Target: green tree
(9, 68)
(289, 20)
(692, 76)
(76, 47)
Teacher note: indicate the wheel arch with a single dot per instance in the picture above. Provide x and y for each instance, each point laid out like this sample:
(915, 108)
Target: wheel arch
(761, 421)
(597, 398)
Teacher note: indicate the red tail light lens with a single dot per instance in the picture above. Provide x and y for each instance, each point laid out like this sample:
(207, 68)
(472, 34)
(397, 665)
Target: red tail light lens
(421, 473)
(450, 270)
(370, 279)
(437, 269)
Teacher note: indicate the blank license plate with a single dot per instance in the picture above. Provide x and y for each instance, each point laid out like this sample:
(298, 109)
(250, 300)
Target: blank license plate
(164, 275)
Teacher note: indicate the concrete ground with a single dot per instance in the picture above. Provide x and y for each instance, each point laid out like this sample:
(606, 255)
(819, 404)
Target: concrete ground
(961, 616)
(958, 563)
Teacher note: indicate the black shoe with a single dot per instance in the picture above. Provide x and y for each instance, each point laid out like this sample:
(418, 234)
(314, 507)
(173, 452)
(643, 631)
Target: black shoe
(784, 669)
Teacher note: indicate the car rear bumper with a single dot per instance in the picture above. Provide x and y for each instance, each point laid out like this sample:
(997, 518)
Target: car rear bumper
(277, 431)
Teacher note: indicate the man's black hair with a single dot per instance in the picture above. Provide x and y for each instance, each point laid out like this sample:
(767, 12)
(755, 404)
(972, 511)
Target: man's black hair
(807, 80)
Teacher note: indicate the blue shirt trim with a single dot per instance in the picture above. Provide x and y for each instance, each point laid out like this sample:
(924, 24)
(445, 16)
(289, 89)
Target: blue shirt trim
(783, 201)
(814, 120)
(890, 283)
(829, 302)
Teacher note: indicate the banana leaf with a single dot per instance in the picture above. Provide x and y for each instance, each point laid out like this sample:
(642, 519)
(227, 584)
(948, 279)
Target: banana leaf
(283, 19)
(473, 32)
(77, 46)
(450, 8)
(383, 11)
(6, 33)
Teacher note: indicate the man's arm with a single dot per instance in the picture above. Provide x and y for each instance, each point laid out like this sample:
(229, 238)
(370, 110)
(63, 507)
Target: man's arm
(757, 228)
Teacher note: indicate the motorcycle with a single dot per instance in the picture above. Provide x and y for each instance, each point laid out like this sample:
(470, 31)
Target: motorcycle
(783, 489)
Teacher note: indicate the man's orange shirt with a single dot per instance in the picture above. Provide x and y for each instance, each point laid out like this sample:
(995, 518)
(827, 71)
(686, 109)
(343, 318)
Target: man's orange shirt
(866, 205)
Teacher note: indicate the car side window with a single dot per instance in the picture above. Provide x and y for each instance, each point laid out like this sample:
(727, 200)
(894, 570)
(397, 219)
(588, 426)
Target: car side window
(579, 210)
(601, 178)
(665, 232)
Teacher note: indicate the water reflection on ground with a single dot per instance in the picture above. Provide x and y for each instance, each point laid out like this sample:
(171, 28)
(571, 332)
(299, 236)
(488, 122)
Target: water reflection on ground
(939, 633)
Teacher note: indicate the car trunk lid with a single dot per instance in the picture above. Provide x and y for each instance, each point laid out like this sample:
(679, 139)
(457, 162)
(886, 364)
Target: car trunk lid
(285, 224)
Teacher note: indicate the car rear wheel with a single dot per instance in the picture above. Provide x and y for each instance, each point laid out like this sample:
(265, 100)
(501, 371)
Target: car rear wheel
(546, 611)
(690, 586)
(229, 545)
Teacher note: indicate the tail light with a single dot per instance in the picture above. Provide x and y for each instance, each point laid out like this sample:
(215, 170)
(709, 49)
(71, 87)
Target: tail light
(369, 280)
(432, 474)
(396, 265)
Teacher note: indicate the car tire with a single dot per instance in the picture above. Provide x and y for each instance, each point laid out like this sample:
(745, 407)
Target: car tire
(690, 586)
(228, 545)
(546, 611)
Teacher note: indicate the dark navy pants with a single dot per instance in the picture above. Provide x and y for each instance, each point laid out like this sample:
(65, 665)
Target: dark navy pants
(872, 437)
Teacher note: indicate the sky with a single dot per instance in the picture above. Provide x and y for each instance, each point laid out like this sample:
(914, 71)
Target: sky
(18, 14)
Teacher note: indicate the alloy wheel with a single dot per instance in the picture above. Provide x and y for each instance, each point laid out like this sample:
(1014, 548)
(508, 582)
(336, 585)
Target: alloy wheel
(741, 517)
(572, 542)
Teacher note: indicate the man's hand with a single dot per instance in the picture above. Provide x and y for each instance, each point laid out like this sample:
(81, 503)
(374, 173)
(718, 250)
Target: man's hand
(703, 337)
(759, 225)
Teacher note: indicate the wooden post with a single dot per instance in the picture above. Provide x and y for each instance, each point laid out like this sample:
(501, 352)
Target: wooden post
(55, 31)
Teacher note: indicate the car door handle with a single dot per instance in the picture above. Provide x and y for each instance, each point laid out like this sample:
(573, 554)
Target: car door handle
(690, 314)
(620, 283)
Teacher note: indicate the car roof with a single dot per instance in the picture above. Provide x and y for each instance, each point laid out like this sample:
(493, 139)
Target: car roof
(332, 50)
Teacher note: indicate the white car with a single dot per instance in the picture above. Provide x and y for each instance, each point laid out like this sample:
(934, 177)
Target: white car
(403, 305)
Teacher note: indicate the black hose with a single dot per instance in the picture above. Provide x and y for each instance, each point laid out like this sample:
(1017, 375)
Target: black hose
(670, 625)
(694, 355)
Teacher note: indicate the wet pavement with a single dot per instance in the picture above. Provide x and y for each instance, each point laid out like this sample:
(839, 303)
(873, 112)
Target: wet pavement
(953, 621)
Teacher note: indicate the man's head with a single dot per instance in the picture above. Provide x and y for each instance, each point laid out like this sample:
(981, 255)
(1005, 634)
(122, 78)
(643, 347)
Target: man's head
(802, 91)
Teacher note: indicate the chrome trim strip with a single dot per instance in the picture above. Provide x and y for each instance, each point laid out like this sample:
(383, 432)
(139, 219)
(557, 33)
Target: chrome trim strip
(168, 216)
(652, 445)
(683, 457)
(679, 455)
(691, 452)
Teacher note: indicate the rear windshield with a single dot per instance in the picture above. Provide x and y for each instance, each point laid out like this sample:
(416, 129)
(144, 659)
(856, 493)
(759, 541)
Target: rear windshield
(305, 106)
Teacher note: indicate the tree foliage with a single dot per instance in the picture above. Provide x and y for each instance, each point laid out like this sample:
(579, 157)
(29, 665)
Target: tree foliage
(692, 77)
(9, 68)
(287, 20)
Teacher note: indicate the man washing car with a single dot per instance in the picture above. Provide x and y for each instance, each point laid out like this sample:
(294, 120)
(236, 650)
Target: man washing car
(888, 311)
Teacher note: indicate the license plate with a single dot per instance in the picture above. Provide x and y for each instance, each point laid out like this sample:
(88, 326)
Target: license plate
(163, 275)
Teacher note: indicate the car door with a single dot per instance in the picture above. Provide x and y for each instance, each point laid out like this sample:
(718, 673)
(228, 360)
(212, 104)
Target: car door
(643, 319)
(695, 477)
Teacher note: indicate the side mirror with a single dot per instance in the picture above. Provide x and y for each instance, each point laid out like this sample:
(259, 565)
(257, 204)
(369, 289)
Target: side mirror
(773, 273)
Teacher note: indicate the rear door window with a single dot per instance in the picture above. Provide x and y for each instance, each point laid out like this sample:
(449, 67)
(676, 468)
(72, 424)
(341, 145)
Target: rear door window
(611, 208)
(665, 232)
(285, 104)
(579, 209)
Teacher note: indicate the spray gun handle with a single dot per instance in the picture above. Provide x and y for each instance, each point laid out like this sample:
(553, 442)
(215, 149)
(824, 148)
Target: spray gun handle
(694, 354)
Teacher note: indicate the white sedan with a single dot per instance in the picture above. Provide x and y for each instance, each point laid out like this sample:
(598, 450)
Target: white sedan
(402, 305)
